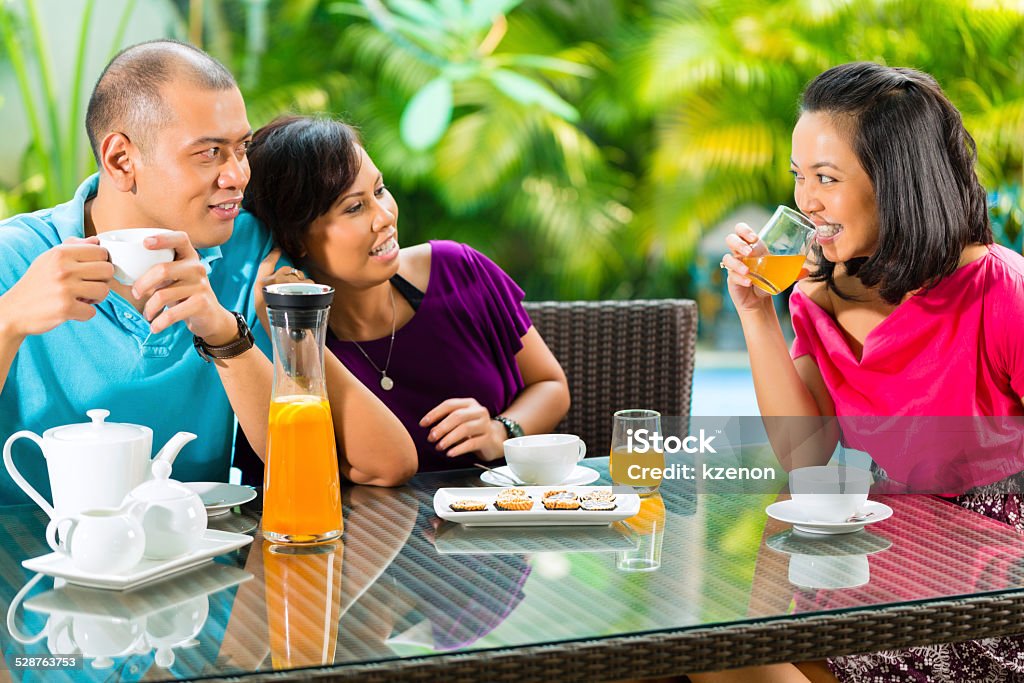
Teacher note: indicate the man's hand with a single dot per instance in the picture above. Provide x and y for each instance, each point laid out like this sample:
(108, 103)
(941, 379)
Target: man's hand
(464, 426)
(180, 291)
(62, 284)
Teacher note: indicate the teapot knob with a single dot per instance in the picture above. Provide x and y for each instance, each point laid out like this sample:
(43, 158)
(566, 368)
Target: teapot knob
(98, 415)
(161, 469)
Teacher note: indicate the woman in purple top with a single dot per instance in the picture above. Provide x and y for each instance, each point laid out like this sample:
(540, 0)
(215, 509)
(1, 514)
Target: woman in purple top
(437, 330)
(912, 313)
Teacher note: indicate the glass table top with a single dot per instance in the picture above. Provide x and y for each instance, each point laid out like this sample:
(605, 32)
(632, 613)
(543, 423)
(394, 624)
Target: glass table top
(403, 583)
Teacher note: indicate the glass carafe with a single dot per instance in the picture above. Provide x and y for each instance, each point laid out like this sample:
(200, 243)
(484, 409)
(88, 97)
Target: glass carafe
(301, 489)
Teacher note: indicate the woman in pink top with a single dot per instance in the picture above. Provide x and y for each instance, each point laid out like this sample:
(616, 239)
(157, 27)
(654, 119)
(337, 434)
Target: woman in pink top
(912, 314)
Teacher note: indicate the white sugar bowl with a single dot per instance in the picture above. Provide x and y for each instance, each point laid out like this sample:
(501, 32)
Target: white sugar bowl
(174, 519)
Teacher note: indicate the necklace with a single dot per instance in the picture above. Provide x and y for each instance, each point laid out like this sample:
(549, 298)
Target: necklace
(386, 383)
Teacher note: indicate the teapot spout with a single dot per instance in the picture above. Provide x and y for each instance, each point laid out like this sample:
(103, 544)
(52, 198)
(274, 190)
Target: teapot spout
(170, 450)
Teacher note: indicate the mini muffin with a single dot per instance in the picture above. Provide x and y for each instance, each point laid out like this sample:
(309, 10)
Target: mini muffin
(510, 503)
(597, 505)
(600, 494)
(468, 505)
(556, 503)
(512, 493)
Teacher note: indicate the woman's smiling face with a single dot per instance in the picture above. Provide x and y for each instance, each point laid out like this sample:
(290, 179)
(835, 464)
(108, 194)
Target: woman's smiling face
(833, 189)
(356, 241)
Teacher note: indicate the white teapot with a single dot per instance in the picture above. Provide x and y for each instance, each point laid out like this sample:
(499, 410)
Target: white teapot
(173, 517)
(92, 464)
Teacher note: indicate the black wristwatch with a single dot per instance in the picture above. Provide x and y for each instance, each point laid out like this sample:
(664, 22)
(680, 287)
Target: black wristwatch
(512, 428)
(235, 348)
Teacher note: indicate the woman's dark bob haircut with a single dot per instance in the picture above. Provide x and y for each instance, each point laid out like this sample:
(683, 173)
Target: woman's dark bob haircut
(911, 141)
(300, 166)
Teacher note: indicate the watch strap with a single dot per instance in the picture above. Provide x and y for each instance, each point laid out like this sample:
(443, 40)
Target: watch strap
(512, 428)
(243, 343)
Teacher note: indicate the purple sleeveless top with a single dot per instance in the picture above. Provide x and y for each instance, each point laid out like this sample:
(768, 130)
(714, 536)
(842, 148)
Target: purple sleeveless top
(461, 343)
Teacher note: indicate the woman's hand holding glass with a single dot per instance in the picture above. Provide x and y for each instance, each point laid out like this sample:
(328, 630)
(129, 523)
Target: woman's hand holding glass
(744, 243)
(771, 260)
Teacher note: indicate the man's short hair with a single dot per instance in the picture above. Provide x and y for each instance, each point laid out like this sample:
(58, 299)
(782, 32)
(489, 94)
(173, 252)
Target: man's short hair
(128, 97)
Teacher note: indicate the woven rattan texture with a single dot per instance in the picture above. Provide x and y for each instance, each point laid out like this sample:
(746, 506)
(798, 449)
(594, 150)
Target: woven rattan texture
(617, 355)
(704, 649)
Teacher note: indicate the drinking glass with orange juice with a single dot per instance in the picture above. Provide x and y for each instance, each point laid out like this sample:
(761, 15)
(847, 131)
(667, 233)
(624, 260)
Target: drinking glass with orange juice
(778, 256)
(625, 427)
(301, 487)
(303, 595)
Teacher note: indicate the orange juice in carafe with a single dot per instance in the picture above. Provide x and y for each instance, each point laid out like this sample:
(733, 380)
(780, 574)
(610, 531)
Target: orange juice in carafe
(302, 495)
(301, 487)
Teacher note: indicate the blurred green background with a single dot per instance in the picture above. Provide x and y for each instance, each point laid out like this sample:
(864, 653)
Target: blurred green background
(588, 146)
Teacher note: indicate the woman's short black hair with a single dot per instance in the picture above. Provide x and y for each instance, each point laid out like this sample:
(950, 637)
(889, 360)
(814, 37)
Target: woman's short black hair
(300, 165)
(911, 141)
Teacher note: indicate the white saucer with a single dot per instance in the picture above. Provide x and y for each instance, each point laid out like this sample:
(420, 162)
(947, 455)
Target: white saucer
(214, 543)
(219, 497)
(789, 512)
(581, 476)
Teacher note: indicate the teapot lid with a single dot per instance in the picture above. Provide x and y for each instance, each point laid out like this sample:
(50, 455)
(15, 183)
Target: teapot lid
(98, 431)
(161, 486)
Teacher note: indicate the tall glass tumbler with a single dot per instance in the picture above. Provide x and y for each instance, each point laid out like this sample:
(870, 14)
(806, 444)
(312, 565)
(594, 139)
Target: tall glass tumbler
(633, 459)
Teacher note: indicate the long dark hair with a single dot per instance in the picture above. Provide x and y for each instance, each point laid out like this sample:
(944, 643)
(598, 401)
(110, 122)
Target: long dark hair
(300, 166)
(911, 141)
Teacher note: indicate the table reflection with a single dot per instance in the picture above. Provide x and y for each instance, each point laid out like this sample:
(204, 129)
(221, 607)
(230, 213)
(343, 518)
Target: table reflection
(102, 625)
(303, 594)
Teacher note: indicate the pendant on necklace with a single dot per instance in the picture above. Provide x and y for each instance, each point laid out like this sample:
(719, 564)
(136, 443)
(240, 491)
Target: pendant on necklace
(386, 383)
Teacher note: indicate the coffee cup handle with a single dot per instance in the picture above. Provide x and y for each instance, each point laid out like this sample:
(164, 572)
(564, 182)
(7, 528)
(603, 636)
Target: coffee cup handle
(583, 451)
(51, 535)
(16, 475)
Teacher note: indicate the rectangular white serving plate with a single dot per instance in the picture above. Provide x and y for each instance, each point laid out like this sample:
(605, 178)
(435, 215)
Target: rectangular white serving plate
(214, 543)
(626, 505)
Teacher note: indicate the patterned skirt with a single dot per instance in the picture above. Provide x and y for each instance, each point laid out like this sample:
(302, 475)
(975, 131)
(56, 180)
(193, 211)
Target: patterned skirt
(992, 660)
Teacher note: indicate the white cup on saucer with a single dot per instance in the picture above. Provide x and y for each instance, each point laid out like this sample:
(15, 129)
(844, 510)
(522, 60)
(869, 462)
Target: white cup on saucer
(544, 459)
(130, 256)
(829, 494)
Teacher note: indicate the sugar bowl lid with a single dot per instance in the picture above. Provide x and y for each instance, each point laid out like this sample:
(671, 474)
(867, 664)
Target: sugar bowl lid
(161, 486)
(98, 431)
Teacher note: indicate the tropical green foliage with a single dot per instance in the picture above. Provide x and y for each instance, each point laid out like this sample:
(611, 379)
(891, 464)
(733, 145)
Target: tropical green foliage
(57, 159)
(587, 145)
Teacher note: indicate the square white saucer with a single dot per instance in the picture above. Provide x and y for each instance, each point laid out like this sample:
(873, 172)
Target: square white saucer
(214, 543)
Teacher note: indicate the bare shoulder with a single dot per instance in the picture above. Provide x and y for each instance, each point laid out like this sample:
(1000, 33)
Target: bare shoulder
(816, 292)
(415, 265)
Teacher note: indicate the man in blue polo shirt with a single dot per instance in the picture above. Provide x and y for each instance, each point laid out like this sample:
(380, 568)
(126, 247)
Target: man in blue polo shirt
(170, 157)
(169, 130)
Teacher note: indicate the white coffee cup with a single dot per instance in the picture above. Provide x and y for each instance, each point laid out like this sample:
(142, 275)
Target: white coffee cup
(829, 494)
(544, 459)
(100, 541)
(130, 256)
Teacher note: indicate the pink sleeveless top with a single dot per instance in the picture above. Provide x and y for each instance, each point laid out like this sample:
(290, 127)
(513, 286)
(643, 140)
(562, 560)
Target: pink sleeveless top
(935, 398)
